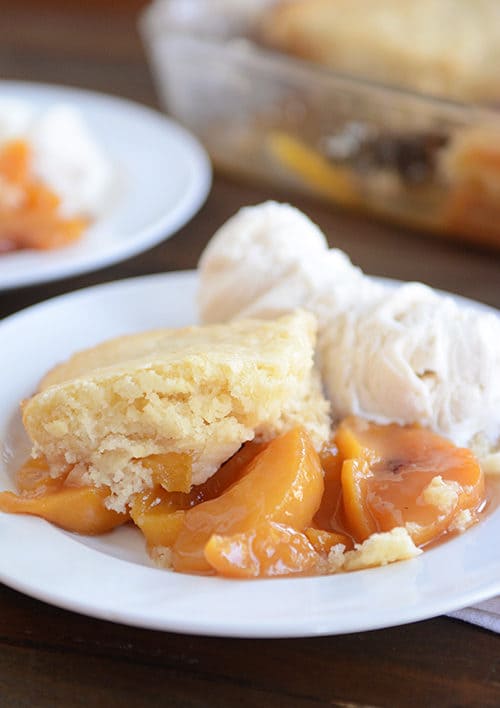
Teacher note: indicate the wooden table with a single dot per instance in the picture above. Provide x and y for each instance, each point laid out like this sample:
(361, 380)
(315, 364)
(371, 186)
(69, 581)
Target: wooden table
(50, 657)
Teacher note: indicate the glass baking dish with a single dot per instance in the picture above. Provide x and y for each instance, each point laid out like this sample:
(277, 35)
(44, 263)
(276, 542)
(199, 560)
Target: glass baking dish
(403, 156)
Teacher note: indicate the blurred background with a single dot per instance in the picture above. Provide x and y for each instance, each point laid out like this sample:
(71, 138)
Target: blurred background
(382, 108)
(90, 43)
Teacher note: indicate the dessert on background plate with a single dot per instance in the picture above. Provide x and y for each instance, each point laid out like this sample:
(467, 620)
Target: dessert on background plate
(54, 176)
(95, 159)
(215, 440)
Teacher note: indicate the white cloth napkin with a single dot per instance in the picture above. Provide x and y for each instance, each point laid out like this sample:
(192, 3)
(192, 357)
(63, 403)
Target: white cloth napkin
(485, 614)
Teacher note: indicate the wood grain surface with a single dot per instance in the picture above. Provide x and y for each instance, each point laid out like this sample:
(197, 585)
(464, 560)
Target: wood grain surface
(50, 657)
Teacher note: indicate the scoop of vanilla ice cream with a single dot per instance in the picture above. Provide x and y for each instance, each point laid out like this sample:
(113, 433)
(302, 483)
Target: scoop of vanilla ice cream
(69, 160)
(402, 354)
(15, 118)
(268, 259)
(65, 154)
(414, 356)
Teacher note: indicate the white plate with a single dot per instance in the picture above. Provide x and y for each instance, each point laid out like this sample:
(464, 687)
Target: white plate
(111, 577)
(163, 176)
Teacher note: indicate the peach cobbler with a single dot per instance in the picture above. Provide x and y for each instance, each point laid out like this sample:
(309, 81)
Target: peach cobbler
(215, 441)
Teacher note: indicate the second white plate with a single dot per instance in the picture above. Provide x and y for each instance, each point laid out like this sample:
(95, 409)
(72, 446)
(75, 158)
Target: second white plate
(162, 177)
(111, 576)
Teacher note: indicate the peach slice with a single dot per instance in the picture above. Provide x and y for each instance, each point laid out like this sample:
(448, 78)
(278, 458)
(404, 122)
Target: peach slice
(33, 478)
(74, 508)
(329, 516)
(78, 509)
(158, 516)
(404, 476)
(324, 541)
(172, 470)
(230, 472)
(14, 161)
(283, 484)
(321, 175)
(271, 550)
